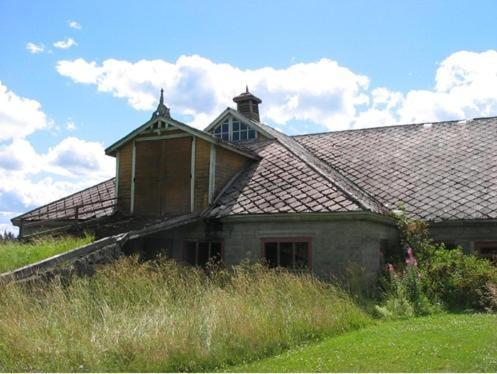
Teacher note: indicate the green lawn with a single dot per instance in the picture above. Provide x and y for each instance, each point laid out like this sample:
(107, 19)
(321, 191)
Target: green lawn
(465, 342)
(14, 254)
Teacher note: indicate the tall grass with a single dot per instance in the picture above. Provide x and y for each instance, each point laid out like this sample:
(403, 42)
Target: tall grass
(164, 317)
(15, 254)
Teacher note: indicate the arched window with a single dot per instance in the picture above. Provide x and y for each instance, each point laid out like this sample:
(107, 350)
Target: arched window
(235, 131)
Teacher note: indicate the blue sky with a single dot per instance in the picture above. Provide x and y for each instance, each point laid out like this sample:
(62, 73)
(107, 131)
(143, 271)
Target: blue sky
(77, 75)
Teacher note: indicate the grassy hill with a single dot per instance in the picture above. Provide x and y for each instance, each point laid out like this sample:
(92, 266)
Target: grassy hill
(15, 254)
(443, 343)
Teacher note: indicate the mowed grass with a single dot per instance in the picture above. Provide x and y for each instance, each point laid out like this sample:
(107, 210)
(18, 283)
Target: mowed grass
(164, 317)
(15, 254)
(453, 343)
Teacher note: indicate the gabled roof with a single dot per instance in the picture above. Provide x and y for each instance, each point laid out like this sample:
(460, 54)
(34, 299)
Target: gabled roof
(240, 117)
(289, 178)
(441, 171)
(181, 126)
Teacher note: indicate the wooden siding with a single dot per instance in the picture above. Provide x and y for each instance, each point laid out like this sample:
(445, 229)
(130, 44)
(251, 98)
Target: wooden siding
(124, 188)
(162, 182)
(227, 165)
(176, 186)
(148, 178)
(201, 174)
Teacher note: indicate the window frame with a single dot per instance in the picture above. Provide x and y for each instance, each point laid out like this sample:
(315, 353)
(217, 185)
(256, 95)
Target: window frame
(230, 121)
(478, 245)
(289, 239)
(197, 243)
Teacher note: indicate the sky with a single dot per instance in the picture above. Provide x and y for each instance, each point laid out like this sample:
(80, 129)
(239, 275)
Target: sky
(75, 76)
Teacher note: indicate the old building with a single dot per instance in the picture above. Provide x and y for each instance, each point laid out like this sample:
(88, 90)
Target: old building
(241, 189)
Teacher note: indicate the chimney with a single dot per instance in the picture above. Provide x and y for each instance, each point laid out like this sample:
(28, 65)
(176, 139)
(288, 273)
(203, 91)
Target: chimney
(248, 105)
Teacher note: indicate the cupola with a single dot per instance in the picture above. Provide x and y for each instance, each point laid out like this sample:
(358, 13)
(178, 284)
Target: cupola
(248, 105)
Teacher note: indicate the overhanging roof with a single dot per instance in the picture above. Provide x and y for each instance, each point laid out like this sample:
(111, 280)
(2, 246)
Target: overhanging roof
(111, 150)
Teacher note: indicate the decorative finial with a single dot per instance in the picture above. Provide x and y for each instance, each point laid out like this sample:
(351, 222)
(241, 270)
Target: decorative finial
(162, 110)
(246, 88)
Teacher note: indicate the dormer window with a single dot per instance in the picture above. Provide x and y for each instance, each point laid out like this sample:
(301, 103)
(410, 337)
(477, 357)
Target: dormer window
(235, 131)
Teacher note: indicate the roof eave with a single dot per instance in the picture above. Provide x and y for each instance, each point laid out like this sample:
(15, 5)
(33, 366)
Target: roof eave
(199, 133)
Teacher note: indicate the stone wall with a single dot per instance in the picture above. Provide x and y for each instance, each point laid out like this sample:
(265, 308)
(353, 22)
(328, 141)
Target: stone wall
(80, 261)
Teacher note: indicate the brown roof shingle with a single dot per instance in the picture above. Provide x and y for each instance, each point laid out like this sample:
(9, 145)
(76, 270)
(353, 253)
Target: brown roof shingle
(441, 171)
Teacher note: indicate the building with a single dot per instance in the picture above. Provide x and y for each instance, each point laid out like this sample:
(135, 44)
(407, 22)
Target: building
(241, 189)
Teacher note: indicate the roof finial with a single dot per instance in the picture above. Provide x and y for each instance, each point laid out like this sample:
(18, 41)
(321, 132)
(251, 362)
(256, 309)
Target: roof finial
(162, 110)
(246, 88)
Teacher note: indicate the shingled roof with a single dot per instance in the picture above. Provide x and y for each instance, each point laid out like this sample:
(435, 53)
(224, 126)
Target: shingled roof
(92, 202)
(441, 171)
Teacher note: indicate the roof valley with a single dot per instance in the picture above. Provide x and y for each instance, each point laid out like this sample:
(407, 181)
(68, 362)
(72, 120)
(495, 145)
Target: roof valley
(344, 184)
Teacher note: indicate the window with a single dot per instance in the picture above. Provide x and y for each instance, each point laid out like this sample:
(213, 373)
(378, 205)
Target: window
(199, 253)
(234, 131)
(290, 253)
(487, 249)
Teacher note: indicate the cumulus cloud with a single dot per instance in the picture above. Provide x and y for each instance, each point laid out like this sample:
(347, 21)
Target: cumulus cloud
(65, 44)
(30, 178)
(34, 48)
(321, 92)
(74, 25)
(19, 116)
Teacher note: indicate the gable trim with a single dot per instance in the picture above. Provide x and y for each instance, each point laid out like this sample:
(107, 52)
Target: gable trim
(181, 126)
(240, 117)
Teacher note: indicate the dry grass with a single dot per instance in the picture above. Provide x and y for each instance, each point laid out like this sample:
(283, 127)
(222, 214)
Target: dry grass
(164, 317)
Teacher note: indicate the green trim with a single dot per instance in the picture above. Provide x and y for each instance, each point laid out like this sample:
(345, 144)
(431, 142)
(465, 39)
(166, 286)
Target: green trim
(199, 133)
(241, 118)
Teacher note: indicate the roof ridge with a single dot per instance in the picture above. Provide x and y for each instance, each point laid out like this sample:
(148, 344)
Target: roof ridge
(344, 184)
(398, 125)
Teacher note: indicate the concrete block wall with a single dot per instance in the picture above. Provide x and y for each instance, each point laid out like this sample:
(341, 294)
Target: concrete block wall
(335, 242)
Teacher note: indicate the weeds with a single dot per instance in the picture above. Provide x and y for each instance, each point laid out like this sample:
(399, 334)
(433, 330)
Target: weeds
(164, 317)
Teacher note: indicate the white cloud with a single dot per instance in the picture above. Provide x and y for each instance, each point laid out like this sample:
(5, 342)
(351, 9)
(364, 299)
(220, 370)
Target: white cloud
(465, 87)
(70, 125)
(29, 178)
(74, 25)
(19, 116)
(35, 48)
(65, 44)
(321, 92)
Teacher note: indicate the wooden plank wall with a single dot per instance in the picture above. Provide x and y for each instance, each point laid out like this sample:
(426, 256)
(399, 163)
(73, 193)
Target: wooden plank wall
(227, 165)
(175, 185)
(124, 188)
(202, 152)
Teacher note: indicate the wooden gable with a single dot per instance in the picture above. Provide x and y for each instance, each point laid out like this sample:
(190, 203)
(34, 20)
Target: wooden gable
(168, 169)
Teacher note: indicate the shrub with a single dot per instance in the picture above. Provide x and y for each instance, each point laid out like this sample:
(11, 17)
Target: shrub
(405, 294)
(165, 317)
(457, 280)
(461, 281)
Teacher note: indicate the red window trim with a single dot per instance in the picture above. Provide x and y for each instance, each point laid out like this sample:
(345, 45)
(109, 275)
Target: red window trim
(289, 239)
(183, 254)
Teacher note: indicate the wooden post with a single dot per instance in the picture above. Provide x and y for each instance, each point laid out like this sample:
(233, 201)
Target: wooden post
(116, 180)
(192, 175)
(133, 163)
(212, 172)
